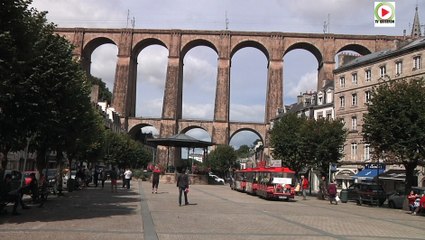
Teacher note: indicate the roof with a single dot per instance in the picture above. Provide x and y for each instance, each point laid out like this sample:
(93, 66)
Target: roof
(377, 56)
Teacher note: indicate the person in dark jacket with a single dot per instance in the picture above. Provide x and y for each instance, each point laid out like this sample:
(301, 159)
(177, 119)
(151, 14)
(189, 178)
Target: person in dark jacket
(183, 185)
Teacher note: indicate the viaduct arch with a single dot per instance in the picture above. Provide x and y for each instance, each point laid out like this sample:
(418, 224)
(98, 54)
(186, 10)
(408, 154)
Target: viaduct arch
(274, 45)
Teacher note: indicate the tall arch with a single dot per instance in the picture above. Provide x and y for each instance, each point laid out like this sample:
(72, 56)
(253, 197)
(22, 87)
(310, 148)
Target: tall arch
(242, 52)
(199, 79)
(89, 49)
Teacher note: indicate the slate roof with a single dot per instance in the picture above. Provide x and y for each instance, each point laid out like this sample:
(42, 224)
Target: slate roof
(376, 56)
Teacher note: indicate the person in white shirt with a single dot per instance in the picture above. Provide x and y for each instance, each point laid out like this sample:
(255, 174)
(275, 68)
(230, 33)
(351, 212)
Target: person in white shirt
(127, 177)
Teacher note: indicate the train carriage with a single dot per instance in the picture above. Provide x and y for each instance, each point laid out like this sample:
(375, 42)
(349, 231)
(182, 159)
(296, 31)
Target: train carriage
(276, 183)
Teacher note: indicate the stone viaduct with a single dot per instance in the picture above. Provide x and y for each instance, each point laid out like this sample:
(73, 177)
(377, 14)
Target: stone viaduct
(274, 45)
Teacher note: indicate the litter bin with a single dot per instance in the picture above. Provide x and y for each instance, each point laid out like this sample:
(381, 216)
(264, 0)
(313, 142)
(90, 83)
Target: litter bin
(343, 195)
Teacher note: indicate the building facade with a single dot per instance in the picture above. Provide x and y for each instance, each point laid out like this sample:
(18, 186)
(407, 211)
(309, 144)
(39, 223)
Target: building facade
(354, 83)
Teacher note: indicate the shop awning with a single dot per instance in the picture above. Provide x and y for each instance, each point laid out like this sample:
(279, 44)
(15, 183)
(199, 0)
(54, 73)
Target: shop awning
(368, 174)
(395, 175)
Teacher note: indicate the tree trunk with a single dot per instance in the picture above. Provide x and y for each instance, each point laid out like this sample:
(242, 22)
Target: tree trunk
(410, 169)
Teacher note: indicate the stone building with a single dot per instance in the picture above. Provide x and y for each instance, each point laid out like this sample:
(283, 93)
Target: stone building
(354, 82)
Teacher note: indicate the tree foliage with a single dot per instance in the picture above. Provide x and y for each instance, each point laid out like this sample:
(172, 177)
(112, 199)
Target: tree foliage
(395, 124)
(307, 143)
(243, 151)
(222, 158)
(20, 28)
(285, 139)
(122, 151)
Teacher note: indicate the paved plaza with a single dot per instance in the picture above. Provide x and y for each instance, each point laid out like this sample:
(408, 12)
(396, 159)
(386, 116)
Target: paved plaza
(215, 212)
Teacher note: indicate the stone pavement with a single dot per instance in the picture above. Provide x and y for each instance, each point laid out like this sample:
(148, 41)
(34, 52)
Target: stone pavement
(215, 212)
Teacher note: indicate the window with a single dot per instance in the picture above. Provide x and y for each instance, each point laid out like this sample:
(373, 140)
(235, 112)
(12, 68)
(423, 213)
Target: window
(398, 68)
(368, 96)
(354, 123)
(354, 78)
(329, 116)
(382, 71)
(416, 62)
(366, 152)
(342, 81)
(354, 99)
(342, 102)
(368, 75)
(353, 151)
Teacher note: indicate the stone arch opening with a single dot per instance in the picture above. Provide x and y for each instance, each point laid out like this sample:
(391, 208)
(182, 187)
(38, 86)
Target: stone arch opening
(349, 52)
(244, 136)
(141, 131)
(148, 78)
(248, 82)
(308, 47)
(90, 47)
(193, 157)
(248, 143)
(301, 70)
(104, 53)
(196, 43)
(252, 44)
(199, 82)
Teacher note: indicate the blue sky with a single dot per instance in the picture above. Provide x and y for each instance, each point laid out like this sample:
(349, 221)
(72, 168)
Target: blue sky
(249, 66)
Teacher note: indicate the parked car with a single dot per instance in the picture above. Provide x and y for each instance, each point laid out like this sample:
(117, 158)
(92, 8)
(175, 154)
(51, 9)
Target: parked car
(367, 192)
(397, 199)
(215, 179)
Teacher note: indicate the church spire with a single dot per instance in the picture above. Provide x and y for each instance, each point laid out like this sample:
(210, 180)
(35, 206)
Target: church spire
(416, 28)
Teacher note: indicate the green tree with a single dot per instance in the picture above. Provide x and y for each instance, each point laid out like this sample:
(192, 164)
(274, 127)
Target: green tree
(222, 158)
(395, 124)
(20, 28)
(243, 151)
(322, 142)
(104, 94)
(307, 143)
(122, 151)
(286, 141)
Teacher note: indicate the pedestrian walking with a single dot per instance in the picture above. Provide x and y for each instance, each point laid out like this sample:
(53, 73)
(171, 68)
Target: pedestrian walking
(114, 177)
(183, 185)
(323, 187)
(103, 176)
(155, 179)
(332, 193)
(127, 177)
(304, 186)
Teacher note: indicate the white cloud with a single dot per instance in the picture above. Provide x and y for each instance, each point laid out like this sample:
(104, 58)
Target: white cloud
(149, 108)
(307, 82)
(198, 111)
(245, 113)
(197, 70)
(152, 66)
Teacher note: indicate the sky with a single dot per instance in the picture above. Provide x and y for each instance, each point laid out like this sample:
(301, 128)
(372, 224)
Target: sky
(249, 65)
